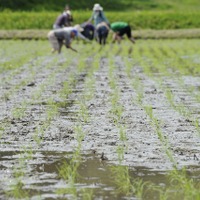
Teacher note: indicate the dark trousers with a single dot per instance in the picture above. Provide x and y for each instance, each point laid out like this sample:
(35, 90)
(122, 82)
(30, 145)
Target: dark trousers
(88, 33)
(102, 34)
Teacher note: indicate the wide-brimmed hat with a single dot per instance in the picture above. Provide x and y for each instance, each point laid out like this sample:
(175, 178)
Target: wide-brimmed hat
(78, 28)
(97, 7)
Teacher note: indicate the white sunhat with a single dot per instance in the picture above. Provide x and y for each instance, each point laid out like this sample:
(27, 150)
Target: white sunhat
(97, 7)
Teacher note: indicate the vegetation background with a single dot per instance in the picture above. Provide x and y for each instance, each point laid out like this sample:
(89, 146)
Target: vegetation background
(140, 14)
(109, 5)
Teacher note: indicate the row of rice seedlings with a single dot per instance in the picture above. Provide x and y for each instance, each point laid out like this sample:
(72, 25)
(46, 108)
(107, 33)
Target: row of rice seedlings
(18, 111)
(139, 89)
(125, 184)
(191, 65)
(138, 86)
(155, 122)
(162, 56)
(192, 90)
(30, 67)
(176, 175)
(16, 187)
(17, 54)
(53, 107)
(186, 186)
(28, 79)
(68, 171)
(51, 112)
(183, 110)
(143, 55)
(162, 67)
(83, 114)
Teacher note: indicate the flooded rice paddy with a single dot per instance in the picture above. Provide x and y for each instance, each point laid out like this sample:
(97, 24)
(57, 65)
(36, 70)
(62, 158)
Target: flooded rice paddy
(42, 180)
(112, 122)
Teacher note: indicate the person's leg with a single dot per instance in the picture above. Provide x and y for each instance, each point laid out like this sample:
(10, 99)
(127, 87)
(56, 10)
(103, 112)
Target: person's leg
(99, 35)
(86, 33)
(129, 34)
(92, 34)
(53, 41)
(118, 38)
(105, 35)
(60, 43)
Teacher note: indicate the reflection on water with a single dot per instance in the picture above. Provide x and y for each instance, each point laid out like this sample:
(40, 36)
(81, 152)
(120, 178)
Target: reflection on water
(41, 175)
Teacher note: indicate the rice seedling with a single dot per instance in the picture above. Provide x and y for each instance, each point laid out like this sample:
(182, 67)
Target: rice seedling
(19, 112)
(122, 180)
(52, 110)
(17, 188)
(139, 90)
(122, 133)
(87, 194)
(162, 138)
(125, 184)
(17, 191)
(188, 189)
(69, 170)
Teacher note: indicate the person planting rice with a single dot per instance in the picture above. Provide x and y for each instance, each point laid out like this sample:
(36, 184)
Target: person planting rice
(88, 31)
(63, 20)
(98, 17)
(59, 37)
(102, 30)
(80, 31)
(119, 29)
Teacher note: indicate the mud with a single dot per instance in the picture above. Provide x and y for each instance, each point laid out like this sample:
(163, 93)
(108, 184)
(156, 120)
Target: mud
(144, 149)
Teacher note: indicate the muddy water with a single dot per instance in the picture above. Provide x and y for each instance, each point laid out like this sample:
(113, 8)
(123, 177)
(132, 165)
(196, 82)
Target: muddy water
(42, 180)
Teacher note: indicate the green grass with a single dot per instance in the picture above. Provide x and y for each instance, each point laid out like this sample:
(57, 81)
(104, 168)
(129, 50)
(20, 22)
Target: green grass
(137, 20)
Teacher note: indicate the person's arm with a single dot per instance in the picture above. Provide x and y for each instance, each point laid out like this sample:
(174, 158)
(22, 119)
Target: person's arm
(91, 18)
(83, 37)
(66, 20)
(70, 47)
(68, 42)
(104, 17)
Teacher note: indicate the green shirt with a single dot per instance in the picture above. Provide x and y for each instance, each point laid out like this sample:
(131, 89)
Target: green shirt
(116, 26)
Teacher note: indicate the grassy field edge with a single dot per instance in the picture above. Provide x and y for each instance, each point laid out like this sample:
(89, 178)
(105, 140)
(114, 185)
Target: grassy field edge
(138, 34)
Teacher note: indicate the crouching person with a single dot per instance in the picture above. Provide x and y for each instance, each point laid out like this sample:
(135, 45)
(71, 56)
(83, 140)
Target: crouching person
(88, 30)
(120, 29)
(102, 30)
(59, 37)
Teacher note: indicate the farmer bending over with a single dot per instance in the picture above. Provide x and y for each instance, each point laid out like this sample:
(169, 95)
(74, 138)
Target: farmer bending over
(102, 30)
(59, 37)
(119, 29)
(64, 19)
(88, 30)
